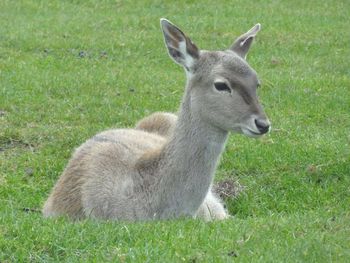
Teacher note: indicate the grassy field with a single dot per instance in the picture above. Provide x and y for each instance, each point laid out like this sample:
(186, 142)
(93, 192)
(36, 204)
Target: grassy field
(69, 69)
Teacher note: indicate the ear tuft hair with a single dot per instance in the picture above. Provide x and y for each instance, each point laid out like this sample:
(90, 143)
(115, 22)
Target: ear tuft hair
(242, 44)
(180, 48)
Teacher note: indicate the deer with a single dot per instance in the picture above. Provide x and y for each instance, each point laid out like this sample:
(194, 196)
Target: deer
(164, 168)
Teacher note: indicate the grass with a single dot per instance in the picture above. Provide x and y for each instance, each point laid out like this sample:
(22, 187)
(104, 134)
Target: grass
(69, 69)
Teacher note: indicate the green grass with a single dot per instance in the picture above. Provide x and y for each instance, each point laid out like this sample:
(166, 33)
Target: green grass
(69, 69)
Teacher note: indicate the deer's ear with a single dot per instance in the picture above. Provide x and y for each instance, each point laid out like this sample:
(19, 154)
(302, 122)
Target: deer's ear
(180, 47)
(242, 44)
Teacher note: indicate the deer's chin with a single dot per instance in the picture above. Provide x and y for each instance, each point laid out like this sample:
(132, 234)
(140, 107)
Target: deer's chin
(251, 133)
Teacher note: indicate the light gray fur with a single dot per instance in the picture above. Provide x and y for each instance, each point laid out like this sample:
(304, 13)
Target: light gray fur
(164, 123)
(160, 173)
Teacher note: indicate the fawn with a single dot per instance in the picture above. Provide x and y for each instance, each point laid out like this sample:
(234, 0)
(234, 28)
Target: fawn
(164, 168)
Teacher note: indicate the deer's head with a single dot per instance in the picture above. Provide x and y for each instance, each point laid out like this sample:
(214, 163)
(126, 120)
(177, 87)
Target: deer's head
(221, 84)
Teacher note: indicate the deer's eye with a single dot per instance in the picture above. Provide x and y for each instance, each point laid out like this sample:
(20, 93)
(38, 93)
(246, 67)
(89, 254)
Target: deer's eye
(222, 86)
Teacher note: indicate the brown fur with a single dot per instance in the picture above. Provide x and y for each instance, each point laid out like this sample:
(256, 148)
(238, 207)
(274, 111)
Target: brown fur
(164, 168)
(161, 123)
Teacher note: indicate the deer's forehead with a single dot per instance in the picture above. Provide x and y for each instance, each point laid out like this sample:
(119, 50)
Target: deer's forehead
(224, 62)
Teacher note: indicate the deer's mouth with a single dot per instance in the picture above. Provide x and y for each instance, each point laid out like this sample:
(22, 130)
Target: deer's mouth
(251, 133)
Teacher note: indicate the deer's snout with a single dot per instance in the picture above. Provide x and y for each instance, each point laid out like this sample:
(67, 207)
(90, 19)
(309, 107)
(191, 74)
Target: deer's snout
(262, 125)
(256, 126)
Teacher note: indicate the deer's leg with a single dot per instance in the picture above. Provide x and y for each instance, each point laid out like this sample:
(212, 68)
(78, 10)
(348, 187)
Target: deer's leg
(212, 208)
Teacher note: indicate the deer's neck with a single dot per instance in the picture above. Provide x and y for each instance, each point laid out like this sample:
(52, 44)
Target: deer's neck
(188, 163)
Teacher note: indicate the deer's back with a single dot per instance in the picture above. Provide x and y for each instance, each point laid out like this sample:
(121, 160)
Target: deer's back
(100, 169)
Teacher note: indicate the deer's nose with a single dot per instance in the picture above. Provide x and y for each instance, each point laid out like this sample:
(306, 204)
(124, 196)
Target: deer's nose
(262, 125)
